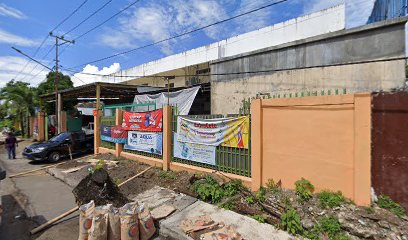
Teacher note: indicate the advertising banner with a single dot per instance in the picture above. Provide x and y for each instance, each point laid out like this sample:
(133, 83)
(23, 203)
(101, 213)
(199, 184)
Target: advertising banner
(106, 133)
(143, 121)
(194, 152)
(230, 132)
(119, 135)
(115, 134)
(149, 142)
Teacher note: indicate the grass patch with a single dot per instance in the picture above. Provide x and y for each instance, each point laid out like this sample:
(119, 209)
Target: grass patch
(304, 190)
(229, 204)
(272, 186)
(290, 221)
(328, 199)
(168, 175)
(259, 218)
(250, 200)
(209, 190)
(387, 203)
(261, 194)
(232, 188)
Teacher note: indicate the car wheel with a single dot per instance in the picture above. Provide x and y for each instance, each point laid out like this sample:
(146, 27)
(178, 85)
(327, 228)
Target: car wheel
(54, 157)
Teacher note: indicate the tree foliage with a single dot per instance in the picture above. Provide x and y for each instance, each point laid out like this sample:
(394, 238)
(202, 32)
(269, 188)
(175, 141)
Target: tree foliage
(48, 86)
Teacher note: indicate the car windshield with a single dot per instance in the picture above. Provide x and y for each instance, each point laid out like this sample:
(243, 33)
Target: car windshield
(60, 137)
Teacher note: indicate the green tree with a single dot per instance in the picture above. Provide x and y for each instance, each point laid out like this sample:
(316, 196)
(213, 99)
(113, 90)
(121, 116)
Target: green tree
(48, 86)
(20, 98)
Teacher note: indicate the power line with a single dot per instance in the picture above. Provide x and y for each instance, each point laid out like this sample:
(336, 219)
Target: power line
(102, 23)
(32, 59)
(69, 16)
(183, 34)
(87, 18)
(46, 37)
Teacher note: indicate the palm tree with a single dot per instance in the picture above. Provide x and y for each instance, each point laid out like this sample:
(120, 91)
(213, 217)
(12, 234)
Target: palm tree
(21, 99)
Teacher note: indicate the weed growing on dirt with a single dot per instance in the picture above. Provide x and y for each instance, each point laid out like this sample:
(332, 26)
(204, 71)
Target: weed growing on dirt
(259, 218)
(260, 195)
(231, 188)
(327, 226)
(331, 226)
(250, 200)
(209, 190)
(369, 210)
(99, 165)
(328, 199)
(387, 203)
(272, 186)
(117, 181)
(229, 204)
(304, 189)
(167, 175)
(290, 221)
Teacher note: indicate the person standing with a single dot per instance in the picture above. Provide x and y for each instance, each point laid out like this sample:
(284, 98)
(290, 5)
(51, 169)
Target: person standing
(11, 144)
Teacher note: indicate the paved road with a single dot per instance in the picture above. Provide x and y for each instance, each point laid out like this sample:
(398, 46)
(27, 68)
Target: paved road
(30, 200)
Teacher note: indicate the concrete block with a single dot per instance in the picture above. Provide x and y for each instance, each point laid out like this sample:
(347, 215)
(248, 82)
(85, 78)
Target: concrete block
(247, 227)
(158, 196)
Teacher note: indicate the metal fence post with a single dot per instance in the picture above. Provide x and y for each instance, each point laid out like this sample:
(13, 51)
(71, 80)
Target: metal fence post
(118, 122)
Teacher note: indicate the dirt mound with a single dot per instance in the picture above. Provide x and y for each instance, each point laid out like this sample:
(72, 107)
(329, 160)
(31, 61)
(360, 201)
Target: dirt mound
(100, 188)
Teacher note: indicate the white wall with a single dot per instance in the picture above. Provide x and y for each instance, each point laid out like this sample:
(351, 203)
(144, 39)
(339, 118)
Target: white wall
(325, 21)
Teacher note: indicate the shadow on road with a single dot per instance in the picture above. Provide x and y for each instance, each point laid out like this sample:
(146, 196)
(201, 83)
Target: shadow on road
(14, 221)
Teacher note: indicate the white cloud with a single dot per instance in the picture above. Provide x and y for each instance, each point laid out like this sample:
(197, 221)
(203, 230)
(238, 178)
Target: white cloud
(9, 38)
(156, 21)
(10, 66)
(84, 78)
(11, 12)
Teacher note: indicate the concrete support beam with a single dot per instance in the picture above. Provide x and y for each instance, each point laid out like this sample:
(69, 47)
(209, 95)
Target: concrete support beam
(59, 130)
(362, 149)
(119, 119)
(256, 144)
(97, 120)
(167, 137)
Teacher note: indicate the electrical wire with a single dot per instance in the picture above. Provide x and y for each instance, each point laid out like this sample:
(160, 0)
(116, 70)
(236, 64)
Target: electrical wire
(46, 37)
(87, 18)
(107, 20)
(183, 34)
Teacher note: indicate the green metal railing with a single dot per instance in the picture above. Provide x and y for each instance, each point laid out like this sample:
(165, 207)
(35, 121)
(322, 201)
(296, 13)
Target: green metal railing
(227, 159)
(107, 121)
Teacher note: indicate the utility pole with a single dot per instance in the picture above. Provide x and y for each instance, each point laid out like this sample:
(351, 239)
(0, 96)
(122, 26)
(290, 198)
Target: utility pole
(57, 103)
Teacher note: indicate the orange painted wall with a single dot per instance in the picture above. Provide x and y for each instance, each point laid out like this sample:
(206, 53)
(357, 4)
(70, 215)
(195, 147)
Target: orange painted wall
(323, 139)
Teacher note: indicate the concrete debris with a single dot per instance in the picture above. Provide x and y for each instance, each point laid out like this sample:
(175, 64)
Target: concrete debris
(225, 233)
(162, 211)
(197, 223)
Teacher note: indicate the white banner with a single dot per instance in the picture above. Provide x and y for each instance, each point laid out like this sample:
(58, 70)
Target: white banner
(194, 152)
(150, 142)
(229, 132)
(183, 99)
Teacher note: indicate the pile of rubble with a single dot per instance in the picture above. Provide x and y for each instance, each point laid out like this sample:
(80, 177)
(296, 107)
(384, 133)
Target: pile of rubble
(358, 222)
(100, 188)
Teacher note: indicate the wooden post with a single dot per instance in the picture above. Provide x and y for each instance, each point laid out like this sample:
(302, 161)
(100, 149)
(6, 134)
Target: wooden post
(63, 121)
(167, 137)
(41, 126)
(97, 120)
(256, 144)
(119, 119)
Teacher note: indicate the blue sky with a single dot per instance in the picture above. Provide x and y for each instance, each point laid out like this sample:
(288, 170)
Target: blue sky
(24, 25)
